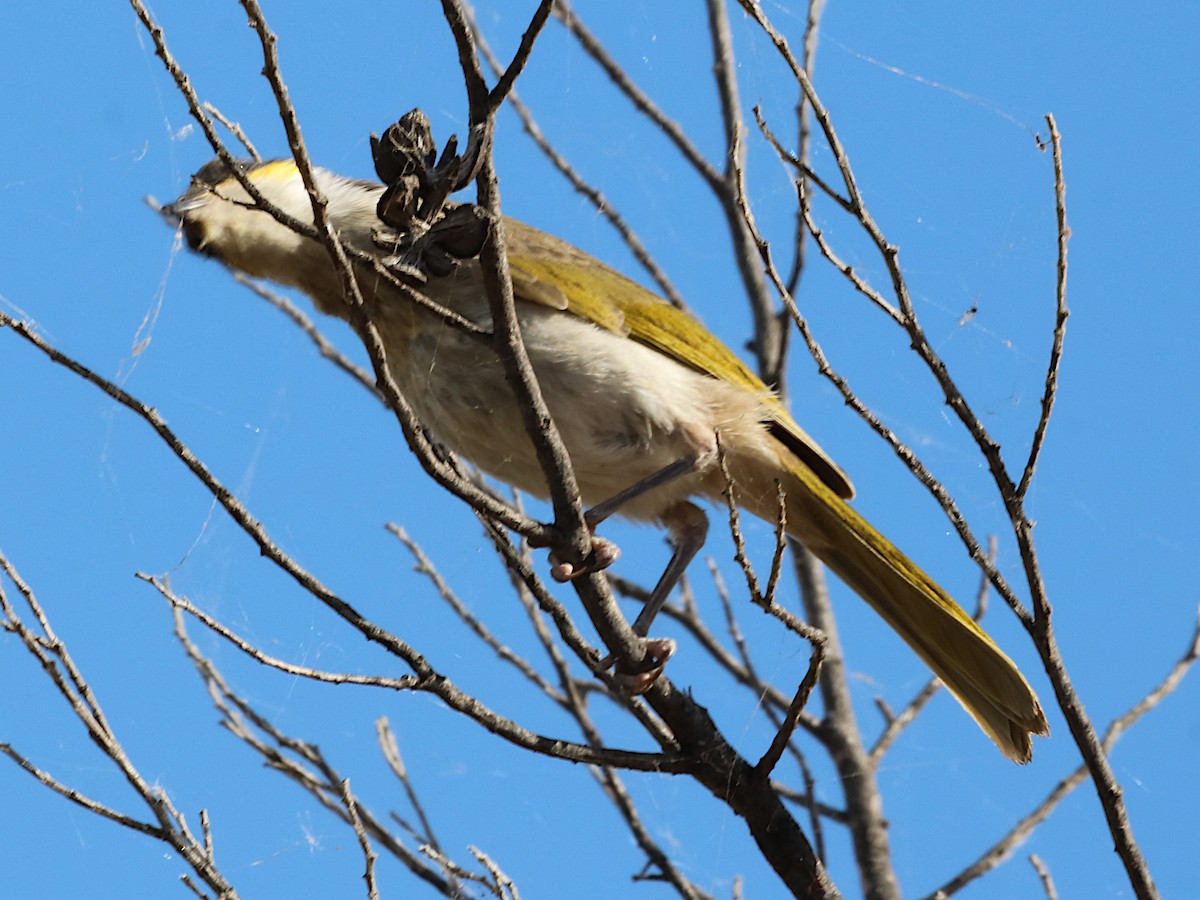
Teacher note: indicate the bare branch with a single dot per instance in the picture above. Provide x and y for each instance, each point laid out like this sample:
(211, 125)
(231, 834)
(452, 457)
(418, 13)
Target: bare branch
(391, 753)
(206, 831)
(300, 761)
(1006, 846)
(505, 84)
(91, 805)
(905, 453)
(1061, 311)
(235, 129)
(1037, 623)
(306, 324)
(1044, 876)
(504, 884)
(431, 682)
(641, 101)
(73, 687)
(784, 735)
(496, 882)
(594, 195)
(407, 682)
(364, 842)
(765, 601)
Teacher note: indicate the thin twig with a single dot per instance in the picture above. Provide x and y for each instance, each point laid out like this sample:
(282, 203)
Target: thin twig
(507, 888)
(73, 687)
(808, 59)
(306, 324)
(404, 682)
(902, 451)
(783, 736)
(206, 831)
(1005, 847)
(766, 601)
(1061, 311)
(78, 798)
(1044, 876)
(364, 842)
(391, 753)
(806, 216)
(641, 101)
(508, 78)
(298, 760)
(234, 128)
(501, 890)
(425, 567)
(593, 194)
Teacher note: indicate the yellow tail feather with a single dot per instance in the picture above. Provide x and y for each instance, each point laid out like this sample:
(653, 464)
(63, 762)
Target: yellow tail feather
(976, 671)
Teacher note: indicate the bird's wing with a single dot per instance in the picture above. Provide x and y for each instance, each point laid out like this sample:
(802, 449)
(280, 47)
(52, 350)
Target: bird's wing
(552, 273)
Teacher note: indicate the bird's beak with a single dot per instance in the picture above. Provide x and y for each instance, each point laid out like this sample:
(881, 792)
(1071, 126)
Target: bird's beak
(175, 215)
(185, 204)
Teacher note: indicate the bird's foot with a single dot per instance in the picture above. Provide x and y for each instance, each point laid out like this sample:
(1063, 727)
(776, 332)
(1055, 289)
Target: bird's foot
(658, 651)
(633, 684)
(603, 554)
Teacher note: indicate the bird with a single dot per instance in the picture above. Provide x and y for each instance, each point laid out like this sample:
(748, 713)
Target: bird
(647, 402)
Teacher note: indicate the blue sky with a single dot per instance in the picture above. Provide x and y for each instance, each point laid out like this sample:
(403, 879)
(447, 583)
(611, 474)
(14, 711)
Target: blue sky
(937, 106)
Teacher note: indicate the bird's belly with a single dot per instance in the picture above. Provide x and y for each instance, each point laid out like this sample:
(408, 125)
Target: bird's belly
(624, 410)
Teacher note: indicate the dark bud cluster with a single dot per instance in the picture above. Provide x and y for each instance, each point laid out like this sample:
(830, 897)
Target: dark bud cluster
(423, 233)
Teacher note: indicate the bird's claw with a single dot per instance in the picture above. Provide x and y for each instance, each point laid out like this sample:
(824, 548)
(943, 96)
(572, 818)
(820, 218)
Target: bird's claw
(603, 554)
(633, 684)
(658, 651)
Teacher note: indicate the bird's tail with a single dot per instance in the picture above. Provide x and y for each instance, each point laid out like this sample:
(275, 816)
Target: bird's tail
(976, 671)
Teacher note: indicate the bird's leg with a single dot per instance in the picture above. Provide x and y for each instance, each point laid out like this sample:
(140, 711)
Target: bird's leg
(688, 526)
(604, 553)
(665, 475)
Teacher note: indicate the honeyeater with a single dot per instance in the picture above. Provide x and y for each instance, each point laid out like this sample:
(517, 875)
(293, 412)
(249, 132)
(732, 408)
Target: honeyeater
(639, 391)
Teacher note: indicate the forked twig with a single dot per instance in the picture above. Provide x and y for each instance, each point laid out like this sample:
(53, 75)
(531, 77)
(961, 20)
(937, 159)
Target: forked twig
(168, 824)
